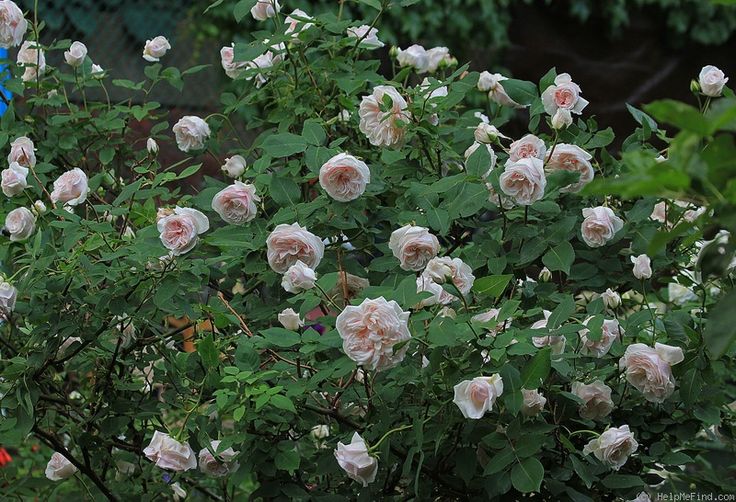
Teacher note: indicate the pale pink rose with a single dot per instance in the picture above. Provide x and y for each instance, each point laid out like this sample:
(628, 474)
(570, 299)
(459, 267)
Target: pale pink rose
(180, 231)
(383, 128)
(355, 460)
(59, 466)
(71, 188)
(264, 62)
(232, 68)
(524, 180)
(611, 299)
(610, 331)
(31, 57)
(413, 246)
(8, 296)
(649, 369)
(642, 266)
(76, 54)
(563, 94)
(533, 403)
(596, 399)
(370, 331)
(288, 244)
(168, 453)
(290, 319)
(344, 177)
(156, 48)
(14, 179)
(527, 147)
(574, 159)
(476, 397)
(22, 151)
(236, 204)
(295, 24)
(679, 294)
(711, 81)
(368, 37)
(415, 57)
(20, 224)
(599, 226)
(12, 24)
(436, 56)
(234, 166)
(491, 83)
(659, 212)
(440, 270)
(264, 9)
(191, 133)
(298, 278)
(555, 342)
(642, 497)
(613, 447)
(491, 154)
(486, 133)
(220, 464)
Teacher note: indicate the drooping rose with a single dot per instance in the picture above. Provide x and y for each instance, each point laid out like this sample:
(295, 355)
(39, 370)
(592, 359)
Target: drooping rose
(524, 181)
(574, 159)
(413, 246)
(152, 146)
(288, 244)
(22, 151)
(439, 295)
(486, 133)
(179, 231)
(526, 147)
(649, 369)
(290, 320)
(610, 331)
(370, 331)
(236, 204)
(76, 54)
(156, 48)
(596, 399)
(383, 128)
(444, 269)
(355, 460)
(20, 224)
(368, 37)
(599, 226)
(344, 177)
(191, 133)
(563, 94)
(533, 402)
(642, 266)
(264, 9)
(12, 24)
(31, 57)
(168, 453)
(232, 68)
(491, 83)
(14, 179)
(59, 467)
(476, 397)
(613, 447)
(220, 464)
(712, 80)
(298, 278)
(71, 188)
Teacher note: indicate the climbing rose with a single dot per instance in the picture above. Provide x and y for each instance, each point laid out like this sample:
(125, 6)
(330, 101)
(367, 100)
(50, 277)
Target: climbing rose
(168, 453)
(344, 177)
(413, 246)
(475, 397)
(599, 226)
(288, 244)
(613, 447)
(355, 460)
(155, 48)
(383, 128)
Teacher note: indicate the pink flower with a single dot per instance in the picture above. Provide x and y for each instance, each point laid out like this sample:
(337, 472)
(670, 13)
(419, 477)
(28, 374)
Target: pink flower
(294, 23)
(236, 204)
(76, 54)
(563, 94)
(191, 133)
(71, 188)
(383, 128)
(444, 269)
(413, 246)
(20, 224)
(59, 467)
(368, 36)
(642, 266)
(14, 179)
(476, 397)
(288, 244)
(179, 231)
(596, 399)
(12, 24)
(555, 342)
(599, 226)
(264, 9)
(170, 454)
(649, 369)
(613, 447)
(156, 48)
(533, 402)
(232, 68)
(344, 177)
(574, 159)
(355, 460)
(298, 278)
(22, 151)
(524, 181)
(32, 58)
(526, 147)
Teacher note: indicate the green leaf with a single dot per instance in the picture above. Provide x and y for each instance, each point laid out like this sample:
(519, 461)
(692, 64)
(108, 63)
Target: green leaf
(208, 352)
(242, 9)
(284, 144)
(492, 285)
(560, 257)
(284, 191)
(526, 476)
(512, 396)
(376, 4)
(565, 309)
(720, 332)
(479, 162)
(622, 481)
(282, 402)
(107, 154)
(313, 132)
(679, 114)
(690, 386)
(521, 91)
(281, 337)
(535, 372)
(248, 52)
(287, 460)
(600, 139)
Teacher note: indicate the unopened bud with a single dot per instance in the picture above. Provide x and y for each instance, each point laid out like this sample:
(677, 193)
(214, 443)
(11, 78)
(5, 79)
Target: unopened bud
(39, 207)
(561, 119)
(393, 52)
(152, 146)
(545, 275)
(694, 86)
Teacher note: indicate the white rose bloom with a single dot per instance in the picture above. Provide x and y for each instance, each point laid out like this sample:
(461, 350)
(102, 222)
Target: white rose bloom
(613, 447)
(236, 204)
(76, 54)
(492, 156)
(298, 278)
(599, 226)
(295, 24)
(487, 133)
(415, 57)
(368, 37)
(168, 453)
(712, 80)
(290, 320)
(71, 188)
(234, 166)
(156, 48)
(476, 397)
(610, 331)
(440, 270)
(649, 369)
(13, 25)
(611, 299)
(344, 177)
(533, 403)
(355, 460)
(527, 147)
(287, 244)
(22, 151)
(59, 467)
(218, 465)
(264, 9)
(20, 224)
(596, 398)
(563, 94)
(414, 246)
(383, 128)
(556, 343)
(32, 58)
(561, 119)
(97, 71)
(679, 294)
(574, 159)
(14, 179)
(524, 181)
(191, 133)
(491, 83)
(642, 266)
(8, 296)
(435, 57)
(152, 146)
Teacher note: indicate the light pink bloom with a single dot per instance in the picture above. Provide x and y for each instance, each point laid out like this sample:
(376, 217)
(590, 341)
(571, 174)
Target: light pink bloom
(344, 177)
(596, 398)
(476, 397)
(610, 331)
(218, 465)
(574, 159)
(76, 54)
(524, 181)
(642, 266)
(383, 128)
(32, 58)
(22, 151)
(298, 278)
(13, 25)
(533, 403)
(491, 83)
(355, 460)
(168, 453)
(191, 133)
(236, 204)
(59, 467)
(599, 226)
(288, 244)
(264, 9)
(413, 246)
(180, 230)
(526, 147)
(14, 179)
(649, 369)
(613, 447)
(563, 94)
(156, 48)
(712, 80)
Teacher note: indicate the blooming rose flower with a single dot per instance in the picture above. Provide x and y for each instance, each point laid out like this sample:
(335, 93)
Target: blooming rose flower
(533, 403)
(492, 156)
(232, 68)
(524, 180)
(487, 133)
(556, 343)
(561, 119)
(14, 179)
(436, 56)
(32, 58)
(563, 94)
(298, 278)
(152, 146)
(179, 492)
(475, 397)
(20, 224)
(642, 266)
(59, 466)
(596, 398)
(368, 37)
(611, 299)
(22, 151)
(234, 166)
(294, 23)
(76, 54)
(71, 188)
(344, 177)
(263, 9)
(649, 369)
(156, 48)
(220, 464)
(415, 57)
(170, 454)
(236, 204)
(288, 244)
(383, 128)
(659, 212)
(290, 320)
(12, 24)
(711, 81)
(599, 226)
(355, 460)
(679, 294)
(527, 147)
(610, 330)
(8, 295)
(574, 159)
(191, 133)
(491, 83)
(413, 246)
(613, 447)
(371, 330)
(179, 231)
(441, 269)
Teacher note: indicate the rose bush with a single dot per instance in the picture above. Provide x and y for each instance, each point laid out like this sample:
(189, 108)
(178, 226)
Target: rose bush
(365, 303)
